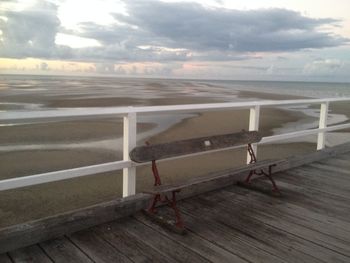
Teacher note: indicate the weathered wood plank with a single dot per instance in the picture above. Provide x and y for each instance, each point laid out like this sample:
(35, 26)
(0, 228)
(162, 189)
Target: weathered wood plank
(336, 248)
(321, 225)
(337, 162)
(4, 258)
(199, 245)
(55, 226)
(246, 220)
(133, 247)
(320, 178)
(316, 205)
(318, 182)
(29, 254)
(328, 170)
(173, 149)
(245, 236)
(62, 250)
(205, 179)
(44, 229)
(320, 222)
(239, 235)
(345, 157)
(309, 186)
(162, 243)
(332, 168)
(97, 248)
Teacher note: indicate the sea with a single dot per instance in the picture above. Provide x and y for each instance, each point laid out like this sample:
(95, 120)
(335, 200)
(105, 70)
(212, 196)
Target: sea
(34, 92)
(20, 93)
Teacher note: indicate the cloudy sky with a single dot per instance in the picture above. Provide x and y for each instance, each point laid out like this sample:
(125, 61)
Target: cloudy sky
(220, 39)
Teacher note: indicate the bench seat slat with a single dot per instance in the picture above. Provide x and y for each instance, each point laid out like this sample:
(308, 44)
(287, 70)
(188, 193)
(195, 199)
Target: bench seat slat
(173, 149)
(173, 187)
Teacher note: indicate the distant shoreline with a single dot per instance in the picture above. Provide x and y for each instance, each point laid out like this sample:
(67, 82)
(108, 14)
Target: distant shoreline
(171, 78)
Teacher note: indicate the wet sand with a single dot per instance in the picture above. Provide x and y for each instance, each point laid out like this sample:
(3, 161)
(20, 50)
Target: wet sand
(65, 131)
(28, 203)
(268, 96)
(341, 108)
(127, 101)
(221, 122)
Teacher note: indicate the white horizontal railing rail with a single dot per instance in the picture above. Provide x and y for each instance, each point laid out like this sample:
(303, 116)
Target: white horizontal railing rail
(129, 115)
(122, 111)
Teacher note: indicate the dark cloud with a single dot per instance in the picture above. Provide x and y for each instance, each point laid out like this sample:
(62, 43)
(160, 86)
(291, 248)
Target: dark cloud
(31, 32)
(165, 32)
(192, 26)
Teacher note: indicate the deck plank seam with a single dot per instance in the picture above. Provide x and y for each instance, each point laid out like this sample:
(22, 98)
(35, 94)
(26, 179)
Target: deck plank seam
(46, 254)
(278, 230)
(174, 240)
(113, 245)
(223, 247)
(308, 186)
(151, 245)
(10, 257)
(242, 232)
(315, 243)
(228, 191)
(303, 218)
(311, 184)
(283, 245)
(298, 236)
(79, 248)
(200, 237)
(144, 245)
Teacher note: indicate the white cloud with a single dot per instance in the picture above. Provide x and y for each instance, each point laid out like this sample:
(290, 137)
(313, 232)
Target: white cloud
(44, 66)
(170, 31)
(75, 41)
(323, 66)
(151, 37)
(31, 32)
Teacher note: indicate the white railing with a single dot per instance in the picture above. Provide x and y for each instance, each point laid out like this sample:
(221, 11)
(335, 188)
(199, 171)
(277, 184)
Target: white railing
(130, 119)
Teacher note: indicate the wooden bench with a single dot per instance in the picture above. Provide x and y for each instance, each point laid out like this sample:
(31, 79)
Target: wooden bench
(153, 153)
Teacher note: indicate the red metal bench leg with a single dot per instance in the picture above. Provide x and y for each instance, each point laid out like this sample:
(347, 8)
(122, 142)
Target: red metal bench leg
(262, 172)
(179, 226)
(269, 176)
(251, 153)
(153, 203)
(155, 174)
(252, 160)
(179, 222)
(251, 173)
(157, 197)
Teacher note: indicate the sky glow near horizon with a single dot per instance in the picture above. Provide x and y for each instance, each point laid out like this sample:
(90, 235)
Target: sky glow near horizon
(218, 39)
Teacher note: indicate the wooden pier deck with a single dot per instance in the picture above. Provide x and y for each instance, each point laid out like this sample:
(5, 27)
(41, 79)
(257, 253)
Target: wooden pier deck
(309, 223)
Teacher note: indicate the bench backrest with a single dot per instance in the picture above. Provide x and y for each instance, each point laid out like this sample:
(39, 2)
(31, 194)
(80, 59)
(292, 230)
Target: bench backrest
(173, 149)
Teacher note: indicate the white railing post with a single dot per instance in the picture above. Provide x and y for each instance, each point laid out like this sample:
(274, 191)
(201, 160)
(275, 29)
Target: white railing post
(129, 142)
(254, 117)
(321, 138)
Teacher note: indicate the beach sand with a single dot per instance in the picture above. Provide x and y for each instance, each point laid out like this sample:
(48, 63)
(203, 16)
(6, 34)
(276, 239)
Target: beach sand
(341, 108)
(127, 101)
(28, 203)
(268, 96)
(65, 131)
